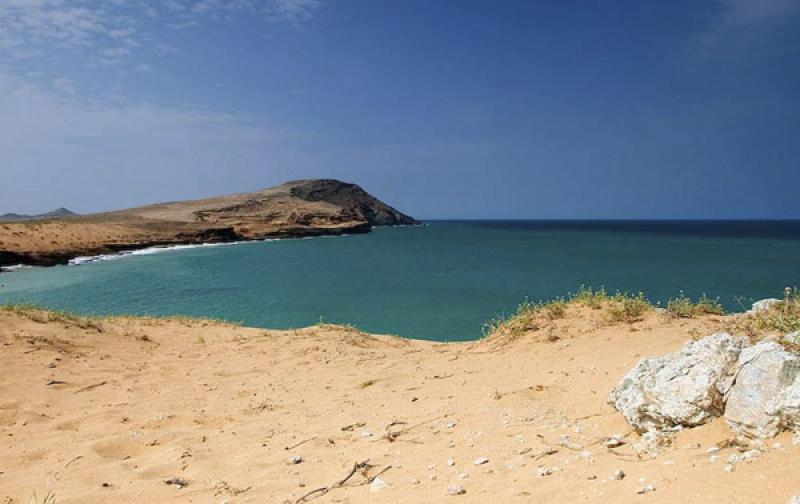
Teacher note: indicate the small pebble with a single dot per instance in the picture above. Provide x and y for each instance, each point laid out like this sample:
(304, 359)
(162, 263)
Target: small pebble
(377, 485)
(451, 462)
(544, 471)
(729, 468)
(455, 490)
(619, 474)
(646, 489)
(295, 459)
(481, 461)
(614, 441)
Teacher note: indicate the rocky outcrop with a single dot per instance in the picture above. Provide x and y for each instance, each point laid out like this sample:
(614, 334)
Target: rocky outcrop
(756, 388)
(763, 305)
(686, 388)
(355, 202)
(757, 399)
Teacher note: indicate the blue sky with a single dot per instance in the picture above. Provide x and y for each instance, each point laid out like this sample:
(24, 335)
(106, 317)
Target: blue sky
(627, 109)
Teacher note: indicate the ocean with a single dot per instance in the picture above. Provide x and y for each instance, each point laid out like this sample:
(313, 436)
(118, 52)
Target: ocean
(443, 281)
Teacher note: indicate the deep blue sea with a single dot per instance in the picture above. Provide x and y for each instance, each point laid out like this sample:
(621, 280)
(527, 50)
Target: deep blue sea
(442, 281)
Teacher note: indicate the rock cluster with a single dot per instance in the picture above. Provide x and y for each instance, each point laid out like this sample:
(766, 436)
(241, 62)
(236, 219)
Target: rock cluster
(755, 387)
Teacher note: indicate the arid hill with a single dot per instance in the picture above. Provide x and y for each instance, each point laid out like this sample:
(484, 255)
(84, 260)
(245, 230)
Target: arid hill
(294, 209)
(54, 214)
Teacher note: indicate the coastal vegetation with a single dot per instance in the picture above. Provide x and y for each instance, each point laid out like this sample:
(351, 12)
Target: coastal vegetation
(783, 316)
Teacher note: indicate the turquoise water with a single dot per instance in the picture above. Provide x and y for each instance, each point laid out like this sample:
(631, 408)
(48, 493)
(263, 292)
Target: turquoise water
(442, 281)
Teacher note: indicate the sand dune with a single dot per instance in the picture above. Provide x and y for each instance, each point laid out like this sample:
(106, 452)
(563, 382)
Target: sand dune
(110, 410)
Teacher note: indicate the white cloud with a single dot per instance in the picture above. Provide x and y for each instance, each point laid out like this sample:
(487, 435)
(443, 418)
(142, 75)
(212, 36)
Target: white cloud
(57, 147)
(64, 85)
(293, 10)
(32, 28)
(747, 13)
(738, 22)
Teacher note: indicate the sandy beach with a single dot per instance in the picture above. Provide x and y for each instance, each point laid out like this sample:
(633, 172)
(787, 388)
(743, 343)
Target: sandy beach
(145, 410)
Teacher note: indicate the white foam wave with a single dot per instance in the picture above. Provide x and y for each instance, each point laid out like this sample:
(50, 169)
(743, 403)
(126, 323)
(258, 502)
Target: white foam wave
(15, 267)
(149, 251)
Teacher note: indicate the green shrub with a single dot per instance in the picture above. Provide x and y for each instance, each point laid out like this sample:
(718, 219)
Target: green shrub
(591, 298)
(629, 308)
(683, 306)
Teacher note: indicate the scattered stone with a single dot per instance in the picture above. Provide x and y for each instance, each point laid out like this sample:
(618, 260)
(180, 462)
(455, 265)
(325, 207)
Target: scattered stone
(481, 461)
(646, 489)
(756, 399)
(544, 471)
(685, 388)
(377, 485)
(619, 474)
(463, 476)
(177, 482)
(615, 441)
(295, 459)
(366, 434)
(450, 425)
(566, 443)
(451, 462)
(729, 468)
(455, 489)
(795, 499)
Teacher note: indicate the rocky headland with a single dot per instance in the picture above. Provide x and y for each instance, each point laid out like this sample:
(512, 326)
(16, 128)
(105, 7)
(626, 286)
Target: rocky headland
(294, 209)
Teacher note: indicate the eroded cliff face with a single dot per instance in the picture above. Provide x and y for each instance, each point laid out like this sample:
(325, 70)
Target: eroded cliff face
(294, 209)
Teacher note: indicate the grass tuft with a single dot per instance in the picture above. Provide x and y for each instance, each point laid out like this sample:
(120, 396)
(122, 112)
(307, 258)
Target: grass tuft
(783, 317)
(683, 306)
(625, 307)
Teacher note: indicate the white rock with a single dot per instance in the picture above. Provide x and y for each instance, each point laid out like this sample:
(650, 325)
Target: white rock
(451, 462)
(646, 489)
(544, 471)
(795, 499)
(619, 474)
(614, 441)
(763, 305)
(455, 490)
(377, 485)
(481, 461)
(790, 402)
(295, 459)
(685, 388)
(754, 404)
(729, 468)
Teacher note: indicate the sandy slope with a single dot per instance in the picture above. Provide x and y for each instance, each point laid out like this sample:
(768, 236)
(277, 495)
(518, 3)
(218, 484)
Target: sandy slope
(217, 406)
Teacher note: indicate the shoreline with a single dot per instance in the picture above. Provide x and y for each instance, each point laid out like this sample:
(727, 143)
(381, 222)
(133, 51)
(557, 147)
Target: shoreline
(19, 260)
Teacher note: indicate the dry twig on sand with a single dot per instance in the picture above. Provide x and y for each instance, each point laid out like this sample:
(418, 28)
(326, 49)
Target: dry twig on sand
(362, 467)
